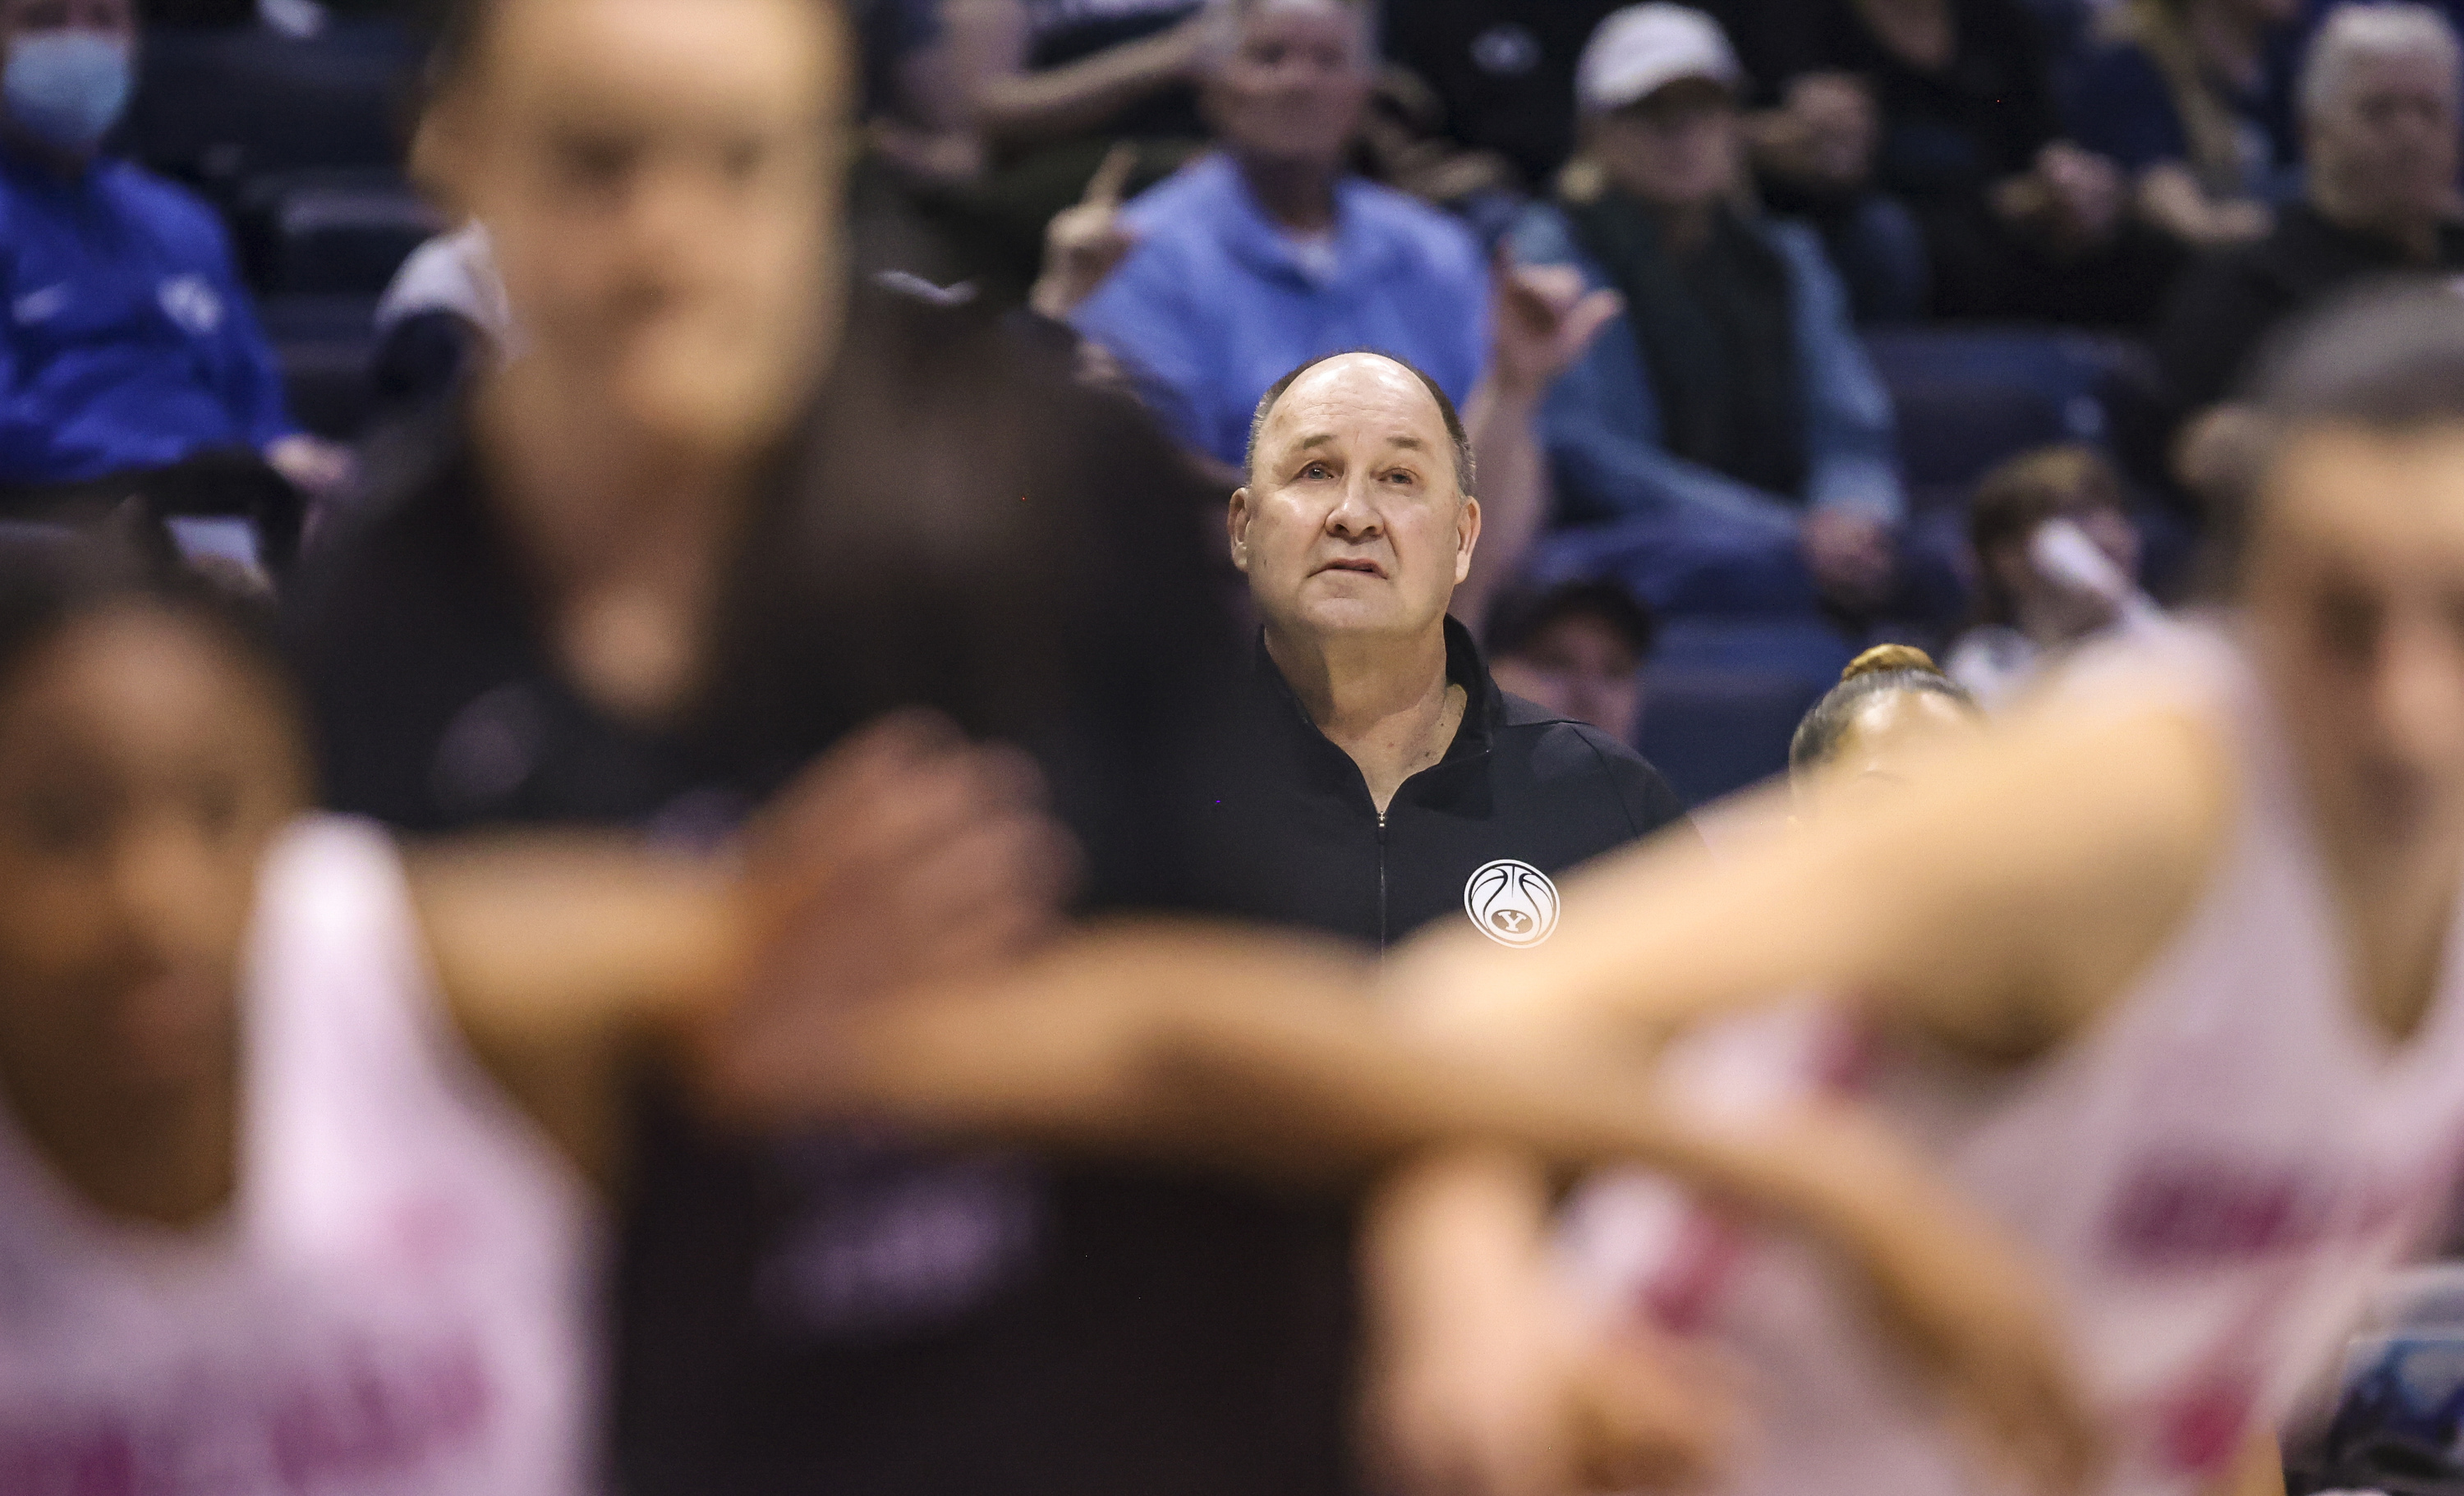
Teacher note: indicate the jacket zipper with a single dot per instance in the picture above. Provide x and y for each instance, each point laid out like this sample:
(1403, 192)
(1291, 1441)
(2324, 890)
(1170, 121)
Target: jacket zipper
(1381, 884)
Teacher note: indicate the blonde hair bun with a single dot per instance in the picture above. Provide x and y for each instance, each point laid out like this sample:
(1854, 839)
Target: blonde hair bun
(1885, 658)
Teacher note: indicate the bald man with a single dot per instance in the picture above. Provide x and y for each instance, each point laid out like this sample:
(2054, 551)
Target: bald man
(1389, 783)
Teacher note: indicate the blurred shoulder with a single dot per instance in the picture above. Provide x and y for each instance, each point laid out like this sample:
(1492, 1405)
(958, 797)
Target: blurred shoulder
(1564, 754)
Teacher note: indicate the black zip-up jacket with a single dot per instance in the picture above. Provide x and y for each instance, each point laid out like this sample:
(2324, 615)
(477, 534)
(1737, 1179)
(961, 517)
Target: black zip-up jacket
(1519, 797)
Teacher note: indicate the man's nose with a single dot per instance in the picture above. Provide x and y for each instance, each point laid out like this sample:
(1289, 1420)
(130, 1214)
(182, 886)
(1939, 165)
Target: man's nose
(1354, 515)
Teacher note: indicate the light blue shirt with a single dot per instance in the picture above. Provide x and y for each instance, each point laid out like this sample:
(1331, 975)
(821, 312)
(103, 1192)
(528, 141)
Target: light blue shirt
(1601, 422)
(1216, 303)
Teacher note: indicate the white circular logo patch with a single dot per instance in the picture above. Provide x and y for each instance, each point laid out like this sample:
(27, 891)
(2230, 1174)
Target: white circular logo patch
(1514, 903)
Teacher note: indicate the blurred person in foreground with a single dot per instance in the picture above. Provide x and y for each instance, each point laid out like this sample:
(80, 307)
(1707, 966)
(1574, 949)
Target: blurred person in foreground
(1268, 252)
(2161, 973)
(210, 996)
(1577, 649)
(715, 514)
(1725, 445)
(133, 365)
(2382, 105)
(2056, 565)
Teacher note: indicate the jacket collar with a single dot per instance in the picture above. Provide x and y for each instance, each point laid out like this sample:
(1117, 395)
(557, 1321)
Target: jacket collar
(1280, 710)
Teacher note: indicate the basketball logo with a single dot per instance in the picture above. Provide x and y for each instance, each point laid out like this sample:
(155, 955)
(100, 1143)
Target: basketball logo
(1514, 903)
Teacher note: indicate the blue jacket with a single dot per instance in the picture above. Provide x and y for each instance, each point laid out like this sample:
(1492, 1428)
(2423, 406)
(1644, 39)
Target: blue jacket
(1601, 424)
(1215, 304)
(125, 339)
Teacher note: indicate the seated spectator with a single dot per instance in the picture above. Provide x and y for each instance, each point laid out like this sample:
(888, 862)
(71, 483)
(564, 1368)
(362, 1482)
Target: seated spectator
(2057, 563)
(2017, 221)
(2184, 98)
(1576, 649)
(1728, 422)
(1267, 254)
(2380, 114)
(1812, 148)
(1502, 72)
(133, 364)
(444, 314)
(1049, 86)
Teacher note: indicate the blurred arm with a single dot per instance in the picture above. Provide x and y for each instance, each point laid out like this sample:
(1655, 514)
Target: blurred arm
(1997, 908)
(1014, 106)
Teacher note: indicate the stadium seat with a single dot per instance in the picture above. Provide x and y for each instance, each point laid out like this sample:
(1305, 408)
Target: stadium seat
(218, 106)
(333, 234)
(1712, 733)
(324, 342)
(1969, 397)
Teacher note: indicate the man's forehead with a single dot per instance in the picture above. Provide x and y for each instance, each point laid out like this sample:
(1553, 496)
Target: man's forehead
(1360, 391)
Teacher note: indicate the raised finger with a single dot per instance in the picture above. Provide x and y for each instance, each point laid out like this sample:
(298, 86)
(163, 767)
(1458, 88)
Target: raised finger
(1111, 177)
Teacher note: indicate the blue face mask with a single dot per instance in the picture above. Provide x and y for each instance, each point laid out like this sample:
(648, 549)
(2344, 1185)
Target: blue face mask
(66, 88)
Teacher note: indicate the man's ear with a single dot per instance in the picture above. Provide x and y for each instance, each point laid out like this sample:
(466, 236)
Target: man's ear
(1467, 538)
(1236, 523)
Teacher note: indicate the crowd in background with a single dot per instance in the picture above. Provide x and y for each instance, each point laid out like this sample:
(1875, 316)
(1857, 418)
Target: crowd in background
(1203, 197)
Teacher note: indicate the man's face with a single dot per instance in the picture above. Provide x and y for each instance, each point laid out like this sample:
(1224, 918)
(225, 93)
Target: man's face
(2355, 592)
(1677, 148)
(1295, 83)
(661, 181)
(111, 17)
(1353, 522)
(2385, 146)
(1579, 666)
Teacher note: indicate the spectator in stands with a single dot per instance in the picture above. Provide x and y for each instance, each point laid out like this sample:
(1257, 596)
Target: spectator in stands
(1813, 146)
(1576, 649)
(1048, 86)
(133, 363)
(1502, 72)
(2018, 222)
(444, 316)
(1266, 253)
(2056, 563)
(2186, 96)
(1726, 437)
(2380, 93)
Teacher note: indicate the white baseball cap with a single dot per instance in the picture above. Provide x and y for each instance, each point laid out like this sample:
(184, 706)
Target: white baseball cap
(1644, 48)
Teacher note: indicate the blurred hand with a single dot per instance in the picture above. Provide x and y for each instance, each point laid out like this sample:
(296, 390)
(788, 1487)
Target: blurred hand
(1486, 1380)
(1540, 321)
(1083, 244)
(1850, 556)
(2084, 197)
(1823, 134)
(321, 471)
(906, 856)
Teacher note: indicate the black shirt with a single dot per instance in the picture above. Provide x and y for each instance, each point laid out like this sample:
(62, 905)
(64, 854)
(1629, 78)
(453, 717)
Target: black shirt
(1303, 844)
(2226, 307)
(1504, 68)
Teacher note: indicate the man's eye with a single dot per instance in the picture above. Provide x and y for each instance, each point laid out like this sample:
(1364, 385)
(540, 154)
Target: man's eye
(1317, 470)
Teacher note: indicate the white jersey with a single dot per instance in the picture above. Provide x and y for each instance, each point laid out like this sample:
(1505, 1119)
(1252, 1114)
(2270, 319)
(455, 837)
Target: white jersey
(2212, 1174)
(395, 1303)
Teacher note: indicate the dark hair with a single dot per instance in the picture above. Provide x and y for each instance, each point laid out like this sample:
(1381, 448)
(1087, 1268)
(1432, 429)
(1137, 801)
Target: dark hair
(2019, 494)
(2387, 358)
(1879, 671)
(1524, 613)
(50, 582)
(1465, 471)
